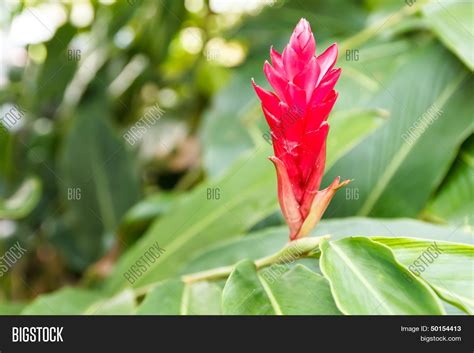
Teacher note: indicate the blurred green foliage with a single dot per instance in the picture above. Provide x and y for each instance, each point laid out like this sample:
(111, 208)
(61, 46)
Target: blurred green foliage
(87, 198)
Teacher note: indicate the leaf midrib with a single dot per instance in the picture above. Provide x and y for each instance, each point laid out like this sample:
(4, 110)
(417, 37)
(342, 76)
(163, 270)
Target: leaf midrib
(360, 276)
(273, 301)
(405, 149)
(184, 302)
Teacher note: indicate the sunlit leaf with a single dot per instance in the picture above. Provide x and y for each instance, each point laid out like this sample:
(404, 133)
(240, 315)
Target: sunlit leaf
(263, 243)
(173, 297)
(454, 202)
(447, 267)
(366, 279)
(396, 168)
(451, 21)
(276, 291)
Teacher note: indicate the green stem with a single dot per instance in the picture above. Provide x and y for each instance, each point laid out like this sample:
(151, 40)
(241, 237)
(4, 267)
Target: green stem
(386, 22)
(290, 252)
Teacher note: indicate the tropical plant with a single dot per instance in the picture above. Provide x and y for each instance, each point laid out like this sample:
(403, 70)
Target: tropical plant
(134, 176)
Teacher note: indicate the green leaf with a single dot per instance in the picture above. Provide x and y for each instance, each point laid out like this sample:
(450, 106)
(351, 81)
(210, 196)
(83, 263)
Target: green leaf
(121, 304)
(276, 291)
(204, 298)
(6, 146)
(23, 201)
(341, 139)
(78, 301)
(300, 291)
(56, 72)
(452, 310)
(454, 201)
(403, 227)
(11, 308)
(275, 23)
(66, 301)
(246, 196)
(246, 294)
(447, 267)
(223, 132)
(263, 243)
(255, 245)
(173, 297)
(394, 177)
(365, 77)
(138, 218)
(451, 21)
(366, 279)
(164, 299)
(99, 183)
(149, 208)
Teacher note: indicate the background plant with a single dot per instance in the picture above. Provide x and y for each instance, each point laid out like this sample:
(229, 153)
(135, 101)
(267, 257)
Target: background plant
(86, 204)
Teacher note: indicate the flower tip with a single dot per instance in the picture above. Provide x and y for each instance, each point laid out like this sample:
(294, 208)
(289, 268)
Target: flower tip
(348, 181)
(259, 90)
(302, 26)
(333, 48)
(337, 184)
(273, 159)
(266, 66)
(303, 23)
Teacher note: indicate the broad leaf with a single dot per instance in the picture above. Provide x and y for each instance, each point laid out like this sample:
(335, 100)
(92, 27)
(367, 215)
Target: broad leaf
(149, 208)
(66, 301)
(245, 197)
(56, 72)
(276, 291)
(341, 139)
(366, 279)
(447, 267)
(98, 182)
(299, 291)
(223, 133)
(367, 74)
(269, 241)
(252, 247)
(138, 218)
(122, 303)
(452, 310)
(451, 21)
(77, 301)
(397, 167)
(454, 202)
(10, 308)
(173, 297)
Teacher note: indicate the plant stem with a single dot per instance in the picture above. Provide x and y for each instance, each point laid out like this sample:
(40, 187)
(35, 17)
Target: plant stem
(294, 250)
(291, 251)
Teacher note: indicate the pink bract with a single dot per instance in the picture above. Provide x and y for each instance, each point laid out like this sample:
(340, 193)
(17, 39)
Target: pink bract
(297, 113)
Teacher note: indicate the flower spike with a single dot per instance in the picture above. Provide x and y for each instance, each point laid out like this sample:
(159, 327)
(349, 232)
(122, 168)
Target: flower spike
(297, 113)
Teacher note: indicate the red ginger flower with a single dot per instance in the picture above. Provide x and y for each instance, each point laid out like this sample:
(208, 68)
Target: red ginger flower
(297, 113)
